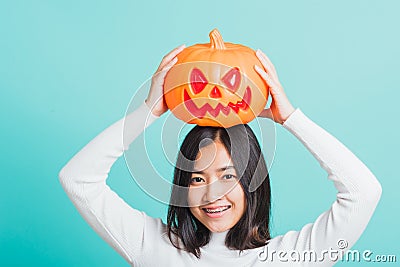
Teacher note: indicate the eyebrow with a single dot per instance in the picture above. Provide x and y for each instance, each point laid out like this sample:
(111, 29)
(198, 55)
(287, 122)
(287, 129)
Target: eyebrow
(218, 170)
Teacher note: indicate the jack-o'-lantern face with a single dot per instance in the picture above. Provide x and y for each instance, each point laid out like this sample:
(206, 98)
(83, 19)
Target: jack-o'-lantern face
(223, 90)
(226, 100)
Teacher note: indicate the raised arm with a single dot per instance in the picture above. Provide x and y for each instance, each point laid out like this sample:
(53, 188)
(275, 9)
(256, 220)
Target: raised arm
(84, 180)
(358, 189)
(358, 193)
(84, 176)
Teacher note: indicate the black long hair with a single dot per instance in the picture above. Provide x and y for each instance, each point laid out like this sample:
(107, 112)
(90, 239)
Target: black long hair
(252, 229)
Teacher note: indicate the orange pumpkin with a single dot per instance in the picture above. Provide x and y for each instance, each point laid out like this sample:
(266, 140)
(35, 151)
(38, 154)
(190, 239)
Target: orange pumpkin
(215, 84)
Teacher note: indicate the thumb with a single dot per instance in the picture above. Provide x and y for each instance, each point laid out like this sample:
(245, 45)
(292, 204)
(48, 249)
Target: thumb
(266, 113)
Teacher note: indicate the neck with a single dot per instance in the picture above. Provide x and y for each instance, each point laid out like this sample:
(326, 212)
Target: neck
(217, 245)
(218, 238)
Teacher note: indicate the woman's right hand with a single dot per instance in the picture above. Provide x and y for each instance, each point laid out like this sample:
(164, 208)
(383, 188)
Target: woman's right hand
(155, 100)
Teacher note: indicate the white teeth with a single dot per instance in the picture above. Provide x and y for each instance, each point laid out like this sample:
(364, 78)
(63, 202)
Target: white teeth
(220, 209)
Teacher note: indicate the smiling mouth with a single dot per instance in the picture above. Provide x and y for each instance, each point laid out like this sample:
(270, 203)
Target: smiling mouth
(217, 210)
(200, 112)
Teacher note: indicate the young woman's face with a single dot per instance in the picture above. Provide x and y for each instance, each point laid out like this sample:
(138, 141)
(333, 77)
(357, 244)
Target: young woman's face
(216, 197)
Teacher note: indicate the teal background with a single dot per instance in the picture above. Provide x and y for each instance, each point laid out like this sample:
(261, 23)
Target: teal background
(69, 68)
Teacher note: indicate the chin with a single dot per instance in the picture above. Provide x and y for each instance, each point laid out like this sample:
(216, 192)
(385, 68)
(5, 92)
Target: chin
(217, 228)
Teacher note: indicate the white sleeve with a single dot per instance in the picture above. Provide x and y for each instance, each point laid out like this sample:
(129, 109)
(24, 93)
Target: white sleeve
(357, 197)
(84, 180)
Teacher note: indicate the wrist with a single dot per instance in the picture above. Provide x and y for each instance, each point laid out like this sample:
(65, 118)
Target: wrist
(289, 113)
(151, 108)
(291, 116)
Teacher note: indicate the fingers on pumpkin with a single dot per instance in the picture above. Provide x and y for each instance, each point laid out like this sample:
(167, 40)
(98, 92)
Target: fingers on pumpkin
(161, 73)
(171, 55)
(170, 63)
(266, 61)
(269, 80)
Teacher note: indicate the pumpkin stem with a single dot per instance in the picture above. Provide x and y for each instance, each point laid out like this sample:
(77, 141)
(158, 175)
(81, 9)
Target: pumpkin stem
(216, 40)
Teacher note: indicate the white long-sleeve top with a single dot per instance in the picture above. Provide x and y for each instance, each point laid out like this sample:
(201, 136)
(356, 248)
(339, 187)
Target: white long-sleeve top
(143, 240)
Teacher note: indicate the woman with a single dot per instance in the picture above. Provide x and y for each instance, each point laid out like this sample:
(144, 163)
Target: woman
(224, 223)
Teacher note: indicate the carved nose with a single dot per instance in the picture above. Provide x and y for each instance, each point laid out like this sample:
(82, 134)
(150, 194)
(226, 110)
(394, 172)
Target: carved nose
(215, 93)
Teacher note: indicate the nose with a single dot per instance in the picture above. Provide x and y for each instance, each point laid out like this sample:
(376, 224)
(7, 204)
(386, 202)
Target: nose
(213, 192)
(215, 93)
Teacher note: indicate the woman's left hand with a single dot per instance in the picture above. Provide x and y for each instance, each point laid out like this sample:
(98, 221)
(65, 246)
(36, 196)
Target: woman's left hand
(280, 108)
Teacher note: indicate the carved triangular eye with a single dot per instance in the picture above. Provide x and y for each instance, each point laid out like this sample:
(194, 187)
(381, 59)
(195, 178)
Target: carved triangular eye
(197, 80)
(232, 79)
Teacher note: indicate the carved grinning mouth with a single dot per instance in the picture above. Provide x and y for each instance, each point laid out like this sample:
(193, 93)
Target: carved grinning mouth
(200, 112)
